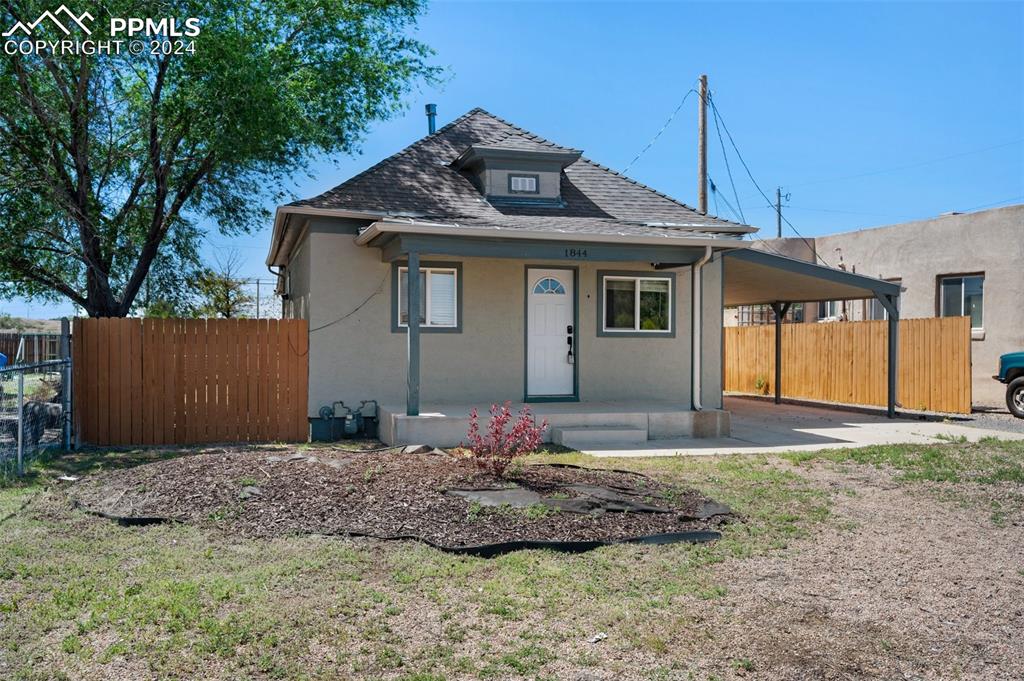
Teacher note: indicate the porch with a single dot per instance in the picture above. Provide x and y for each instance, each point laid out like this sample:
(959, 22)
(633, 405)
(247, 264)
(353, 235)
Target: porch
(573, 424)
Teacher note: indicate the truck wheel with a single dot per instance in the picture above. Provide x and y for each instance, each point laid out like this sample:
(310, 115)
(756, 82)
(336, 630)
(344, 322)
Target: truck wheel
(1015, 397)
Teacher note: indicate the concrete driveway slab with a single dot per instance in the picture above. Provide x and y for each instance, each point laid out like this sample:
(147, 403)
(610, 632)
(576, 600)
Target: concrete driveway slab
(761, 427)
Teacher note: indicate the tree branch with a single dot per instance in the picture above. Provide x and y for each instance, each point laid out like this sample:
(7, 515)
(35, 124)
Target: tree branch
(30, 270)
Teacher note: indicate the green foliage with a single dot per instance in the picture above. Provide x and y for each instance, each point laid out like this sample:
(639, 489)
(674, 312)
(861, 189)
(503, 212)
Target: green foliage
(221, 292)
(110, 161)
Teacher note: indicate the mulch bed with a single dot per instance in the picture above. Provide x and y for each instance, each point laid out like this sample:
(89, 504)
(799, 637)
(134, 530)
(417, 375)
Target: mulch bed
(391, 494)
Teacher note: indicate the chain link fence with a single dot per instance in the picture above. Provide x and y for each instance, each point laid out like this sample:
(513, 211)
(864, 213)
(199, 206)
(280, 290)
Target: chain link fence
(34, 412)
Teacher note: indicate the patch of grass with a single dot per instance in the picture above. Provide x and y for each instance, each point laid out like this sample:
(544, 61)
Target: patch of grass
(79, 593)
(743, 665)
(988, 461)
(523, 660)
(537, 511)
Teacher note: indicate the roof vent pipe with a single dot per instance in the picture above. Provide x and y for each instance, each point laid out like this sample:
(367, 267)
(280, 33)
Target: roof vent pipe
(431, 118)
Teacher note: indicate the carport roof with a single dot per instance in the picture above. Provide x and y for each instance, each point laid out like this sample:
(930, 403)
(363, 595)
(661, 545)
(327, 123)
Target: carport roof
(755, 277)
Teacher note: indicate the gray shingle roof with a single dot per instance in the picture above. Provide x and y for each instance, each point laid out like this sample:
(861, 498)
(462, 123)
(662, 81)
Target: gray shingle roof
(418, 181)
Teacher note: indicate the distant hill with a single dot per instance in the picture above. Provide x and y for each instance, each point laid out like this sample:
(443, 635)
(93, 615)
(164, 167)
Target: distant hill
(9, 324)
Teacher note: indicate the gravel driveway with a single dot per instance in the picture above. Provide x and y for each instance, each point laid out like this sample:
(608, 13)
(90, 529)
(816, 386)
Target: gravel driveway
(994, 420)
(914, 588)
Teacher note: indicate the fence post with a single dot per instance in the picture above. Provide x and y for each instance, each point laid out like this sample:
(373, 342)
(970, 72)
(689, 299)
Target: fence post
(65, 381)
(20, 406)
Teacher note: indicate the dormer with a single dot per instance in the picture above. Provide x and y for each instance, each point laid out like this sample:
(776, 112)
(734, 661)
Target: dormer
(509, 175)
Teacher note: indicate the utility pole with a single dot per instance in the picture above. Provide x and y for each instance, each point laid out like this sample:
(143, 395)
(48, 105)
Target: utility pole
(702, 147)
(778, 212)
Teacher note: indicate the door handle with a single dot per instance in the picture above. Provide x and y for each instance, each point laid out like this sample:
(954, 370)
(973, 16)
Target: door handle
(569, 358)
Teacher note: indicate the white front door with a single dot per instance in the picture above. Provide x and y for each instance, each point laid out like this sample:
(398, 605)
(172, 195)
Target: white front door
(549, 321)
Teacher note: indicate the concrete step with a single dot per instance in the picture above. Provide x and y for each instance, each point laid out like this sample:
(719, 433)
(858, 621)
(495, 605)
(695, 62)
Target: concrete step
(578, 437)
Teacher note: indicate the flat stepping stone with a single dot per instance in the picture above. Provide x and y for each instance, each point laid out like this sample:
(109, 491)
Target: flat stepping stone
(249, 492)
(614, 499)
(516, 497)
(708, 509)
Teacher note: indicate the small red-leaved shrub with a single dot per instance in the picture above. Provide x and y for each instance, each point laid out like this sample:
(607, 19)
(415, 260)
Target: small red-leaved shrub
(496, 449)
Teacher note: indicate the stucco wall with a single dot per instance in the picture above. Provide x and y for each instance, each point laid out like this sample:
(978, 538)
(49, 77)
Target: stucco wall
(355, 355)
(918, 253)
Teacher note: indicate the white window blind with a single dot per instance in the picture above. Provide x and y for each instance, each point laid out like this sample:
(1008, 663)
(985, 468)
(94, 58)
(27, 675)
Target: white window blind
(438, 297)
(442, 298)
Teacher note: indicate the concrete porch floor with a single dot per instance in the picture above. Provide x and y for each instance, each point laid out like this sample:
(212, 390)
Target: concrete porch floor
(574, 424)
(760, 426)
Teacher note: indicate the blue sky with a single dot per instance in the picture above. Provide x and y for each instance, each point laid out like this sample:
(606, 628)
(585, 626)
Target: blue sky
(866, 113)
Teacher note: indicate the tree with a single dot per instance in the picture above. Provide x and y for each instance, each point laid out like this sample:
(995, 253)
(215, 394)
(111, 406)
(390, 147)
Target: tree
(222, 291)
(110, 160)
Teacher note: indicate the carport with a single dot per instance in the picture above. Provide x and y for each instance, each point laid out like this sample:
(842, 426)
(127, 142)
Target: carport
(754, 277)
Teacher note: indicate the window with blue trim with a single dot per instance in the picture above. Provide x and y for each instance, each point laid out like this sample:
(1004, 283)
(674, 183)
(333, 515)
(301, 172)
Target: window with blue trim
(549, 286)
(637, 304)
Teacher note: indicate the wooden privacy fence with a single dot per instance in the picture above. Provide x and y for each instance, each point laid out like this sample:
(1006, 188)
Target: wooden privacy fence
(38, 347)
(189, 381)
(846, 362)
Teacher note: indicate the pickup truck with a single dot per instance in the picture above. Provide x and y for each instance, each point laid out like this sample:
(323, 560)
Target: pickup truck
(1011, 372)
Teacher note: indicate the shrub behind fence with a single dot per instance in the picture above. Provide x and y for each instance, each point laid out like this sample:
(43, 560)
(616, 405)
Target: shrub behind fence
(32, 412)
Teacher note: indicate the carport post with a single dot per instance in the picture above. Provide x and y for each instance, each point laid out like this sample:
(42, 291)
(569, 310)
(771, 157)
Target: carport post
(412, 397)
(893, 310)
(780, 310)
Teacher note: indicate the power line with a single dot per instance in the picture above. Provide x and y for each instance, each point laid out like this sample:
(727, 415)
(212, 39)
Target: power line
(767, 245)
(663, 128)
(715, 193)
(714, 108)
(728, 170)
(994, 203)
(910, 165)
(853, 212)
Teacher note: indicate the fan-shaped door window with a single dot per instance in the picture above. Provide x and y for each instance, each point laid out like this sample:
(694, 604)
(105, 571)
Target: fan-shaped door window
(549, 285)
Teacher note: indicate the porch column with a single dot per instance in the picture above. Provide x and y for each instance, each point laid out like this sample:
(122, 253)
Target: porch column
(780, 310)
(412, 396)
(890, 303)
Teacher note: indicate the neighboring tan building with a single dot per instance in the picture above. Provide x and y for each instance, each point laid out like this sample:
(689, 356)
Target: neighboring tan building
(957, 264)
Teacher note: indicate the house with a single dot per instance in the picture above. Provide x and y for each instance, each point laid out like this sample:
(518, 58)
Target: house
(958, 264)
(537, 276)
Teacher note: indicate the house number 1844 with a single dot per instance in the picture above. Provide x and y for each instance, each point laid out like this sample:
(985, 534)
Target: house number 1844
(576, 253)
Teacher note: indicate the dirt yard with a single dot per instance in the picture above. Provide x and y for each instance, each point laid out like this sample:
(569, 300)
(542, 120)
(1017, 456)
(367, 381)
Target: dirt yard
(882, 563)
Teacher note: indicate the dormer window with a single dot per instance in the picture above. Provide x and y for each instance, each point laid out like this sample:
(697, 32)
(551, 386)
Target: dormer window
(517, 176)
(523, 184)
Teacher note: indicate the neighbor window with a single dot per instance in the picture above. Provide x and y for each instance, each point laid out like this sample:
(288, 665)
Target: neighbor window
(875, 309)
(438, 297)
(756, 315)
(637, 304)
(829, 310)
(522, 184)
(962, 296)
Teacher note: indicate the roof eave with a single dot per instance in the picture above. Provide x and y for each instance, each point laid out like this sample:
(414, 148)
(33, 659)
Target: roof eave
(276, 257)
(384, 227)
